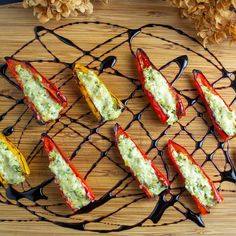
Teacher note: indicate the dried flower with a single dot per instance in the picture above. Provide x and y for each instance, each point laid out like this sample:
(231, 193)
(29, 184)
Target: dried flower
(214, 20)
(49, 9)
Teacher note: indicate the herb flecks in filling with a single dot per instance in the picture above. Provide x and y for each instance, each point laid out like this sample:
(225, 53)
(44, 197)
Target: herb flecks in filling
(141, 167)
(10, 168)
(223, 116)
(102, 99)
(38, 95)
(69, 183)
(156, 84)
(196, 183)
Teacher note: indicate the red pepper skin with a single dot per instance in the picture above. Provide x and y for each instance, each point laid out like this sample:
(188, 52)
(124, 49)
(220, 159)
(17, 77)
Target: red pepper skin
(178, 148)
(53, 91)
(119, 131)
(49, 145)
(200, 79)
(143, 62)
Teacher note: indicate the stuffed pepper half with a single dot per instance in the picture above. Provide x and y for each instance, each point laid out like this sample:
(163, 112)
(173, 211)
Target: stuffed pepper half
(150, 179)
(72, 186)
(196, 181)
(13, 166)
(221, 115)
(104, 105)
(43, 98)
(162, 96)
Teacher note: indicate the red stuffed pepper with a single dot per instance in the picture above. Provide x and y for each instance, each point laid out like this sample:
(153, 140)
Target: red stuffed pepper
(164, 99)
(72, 186)
(221, 115)
(150, 179)
(196, 181)
(43, 98)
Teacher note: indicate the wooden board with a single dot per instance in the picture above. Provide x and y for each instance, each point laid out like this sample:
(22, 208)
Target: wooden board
(17, 28)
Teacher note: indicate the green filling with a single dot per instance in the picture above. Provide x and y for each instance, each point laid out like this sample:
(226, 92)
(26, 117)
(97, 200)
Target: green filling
(38, 95)
(156, 84)
(195, 182)
(100, 96)
(224, 117)
(10, 168)
(70, 185)
(141, 168)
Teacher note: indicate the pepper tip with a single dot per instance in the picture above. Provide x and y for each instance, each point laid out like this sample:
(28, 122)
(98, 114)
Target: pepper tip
(170, 141)
(44, 135)
(138, 50)
(7, 57)
(79, 67)
(116, 127)
(196, 71)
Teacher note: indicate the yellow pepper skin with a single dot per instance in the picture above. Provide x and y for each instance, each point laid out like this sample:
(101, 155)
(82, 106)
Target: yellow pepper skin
(19, 156)
(80, 68)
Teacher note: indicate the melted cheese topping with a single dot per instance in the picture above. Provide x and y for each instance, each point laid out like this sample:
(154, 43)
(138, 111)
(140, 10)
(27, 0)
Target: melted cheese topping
(70, 185)
(196, 182)
(38, 95)
(223, 116)
(100, 96)
(156, 84)
(10, 168)
(141, 167)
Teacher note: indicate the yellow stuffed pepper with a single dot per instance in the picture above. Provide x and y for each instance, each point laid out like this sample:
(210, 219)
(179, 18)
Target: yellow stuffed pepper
(13, 166)
(104, 105)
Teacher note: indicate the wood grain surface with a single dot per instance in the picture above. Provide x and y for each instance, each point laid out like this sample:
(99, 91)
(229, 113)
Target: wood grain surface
(16, 28)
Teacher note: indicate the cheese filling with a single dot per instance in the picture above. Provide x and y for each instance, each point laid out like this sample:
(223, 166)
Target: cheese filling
(38, 95)
(100, 96)
(156, 84)
(223, 116)
(141, 167)
(196, 183)
(69, 183)
(10, 168)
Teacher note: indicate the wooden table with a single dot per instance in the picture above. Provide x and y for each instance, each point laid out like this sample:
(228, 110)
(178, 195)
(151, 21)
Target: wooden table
(17, 28)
